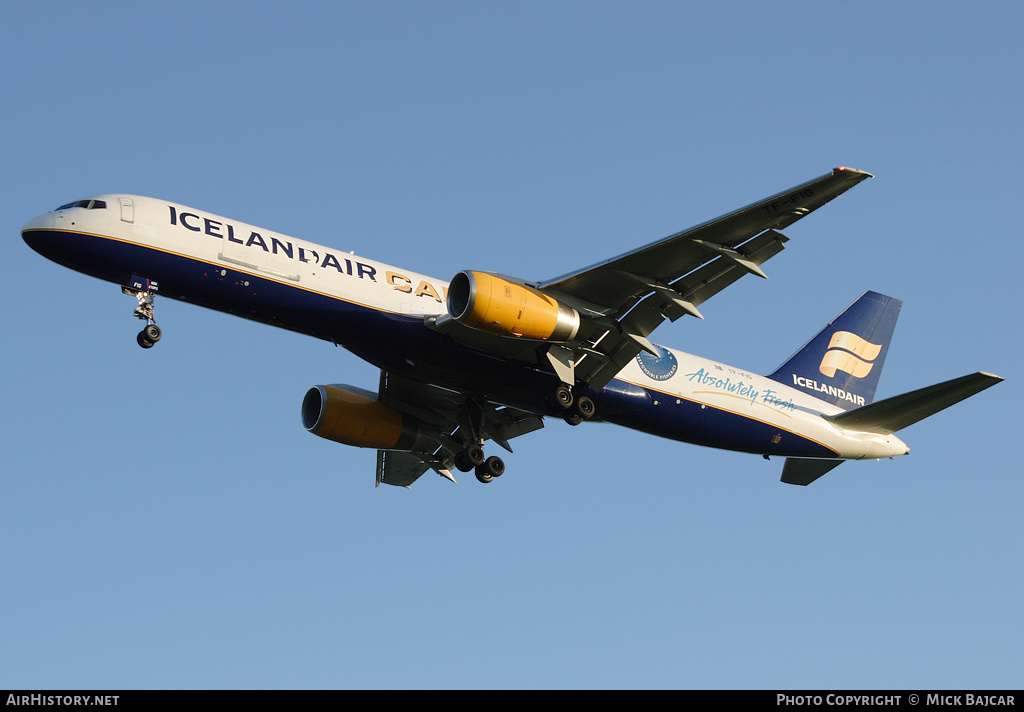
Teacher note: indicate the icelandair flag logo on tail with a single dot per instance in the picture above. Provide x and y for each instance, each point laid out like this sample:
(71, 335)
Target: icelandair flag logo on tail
(850, 353)
(841, 365)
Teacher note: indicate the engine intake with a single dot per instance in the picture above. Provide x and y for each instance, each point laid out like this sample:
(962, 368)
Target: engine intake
(353, 416)
(489, 303)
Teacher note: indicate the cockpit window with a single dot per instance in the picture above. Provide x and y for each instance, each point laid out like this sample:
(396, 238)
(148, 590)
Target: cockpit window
(88, 204)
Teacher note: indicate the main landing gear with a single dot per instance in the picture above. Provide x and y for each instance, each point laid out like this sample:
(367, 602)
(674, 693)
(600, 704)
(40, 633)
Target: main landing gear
(486, 468)
(477, 421)
(144, 291)
(573, 407)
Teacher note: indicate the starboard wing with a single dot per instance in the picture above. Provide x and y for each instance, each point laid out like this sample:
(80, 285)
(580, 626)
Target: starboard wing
(625, 298)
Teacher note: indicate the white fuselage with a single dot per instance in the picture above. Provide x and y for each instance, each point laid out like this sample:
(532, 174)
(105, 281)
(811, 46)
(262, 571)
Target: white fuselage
(213, 246)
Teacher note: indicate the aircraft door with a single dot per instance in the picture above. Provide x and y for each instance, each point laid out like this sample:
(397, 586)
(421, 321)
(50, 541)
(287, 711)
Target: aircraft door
(127, 210)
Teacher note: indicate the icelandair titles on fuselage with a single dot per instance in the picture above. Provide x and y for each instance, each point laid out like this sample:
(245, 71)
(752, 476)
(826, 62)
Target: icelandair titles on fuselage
(226, 231)
(839, 393)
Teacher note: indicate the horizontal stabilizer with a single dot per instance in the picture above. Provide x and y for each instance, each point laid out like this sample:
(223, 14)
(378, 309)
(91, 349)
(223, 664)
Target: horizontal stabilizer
(892, 414)
(798, 471)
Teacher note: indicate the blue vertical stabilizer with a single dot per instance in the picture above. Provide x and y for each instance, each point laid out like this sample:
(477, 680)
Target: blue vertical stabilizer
(841, 365)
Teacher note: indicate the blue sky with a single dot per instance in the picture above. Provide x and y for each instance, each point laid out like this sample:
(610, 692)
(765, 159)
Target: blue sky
(166, 522)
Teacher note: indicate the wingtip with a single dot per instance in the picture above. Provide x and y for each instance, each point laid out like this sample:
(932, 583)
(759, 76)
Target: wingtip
(852, 172)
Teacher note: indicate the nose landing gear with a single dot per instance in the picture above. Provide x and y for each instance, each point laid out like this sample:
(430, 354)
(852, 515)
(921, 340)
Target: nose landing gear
(144, 290)
(149, 336)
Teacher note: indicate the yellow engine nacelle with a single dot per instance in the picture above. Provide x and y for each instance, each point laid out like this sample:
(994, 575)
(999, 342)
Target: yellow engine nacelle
(489, 303)
(352, 416)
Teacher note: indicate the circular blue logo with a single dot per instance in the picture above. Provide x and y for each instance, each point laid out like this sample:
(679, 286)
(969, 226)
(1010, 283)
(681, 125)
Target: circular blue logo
(661, 367)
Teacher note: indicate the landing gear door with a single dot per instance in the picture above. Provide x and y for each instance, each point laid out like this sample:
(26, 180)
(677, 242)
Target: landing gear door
(127, 210)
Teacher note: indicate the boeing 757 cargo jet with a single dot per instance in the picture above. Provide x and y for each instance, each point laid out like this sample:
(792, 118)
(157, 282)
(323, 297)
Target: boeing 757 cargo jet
(489, 357)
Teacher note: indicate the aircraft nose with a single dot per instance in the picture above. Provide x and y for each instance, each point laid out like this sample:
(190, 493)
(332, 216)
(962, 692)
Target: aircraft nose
(34, 231)
(41, 222)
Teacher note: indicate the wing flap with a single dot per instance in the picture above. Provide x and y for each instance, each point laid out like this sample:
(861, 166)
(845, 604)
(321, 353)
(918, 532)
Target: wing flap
(399, 468)
(403, 468)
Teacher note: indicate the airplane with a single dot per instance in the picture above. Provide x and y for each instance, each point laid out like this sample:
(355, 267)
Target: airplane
(488, 357)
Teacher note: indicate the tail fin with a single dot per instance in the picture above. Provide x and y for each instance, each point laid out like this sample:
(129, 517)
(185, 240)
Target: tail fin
(841, 365)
